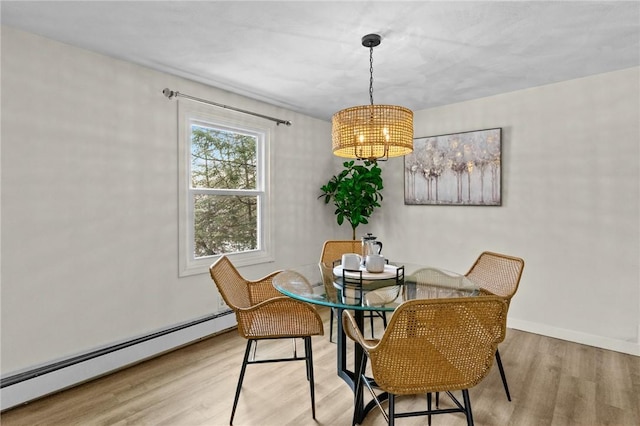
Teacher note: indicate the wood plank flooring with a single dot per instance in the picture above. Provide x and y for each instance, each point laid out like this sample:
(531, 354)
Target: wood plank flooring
(552, 382)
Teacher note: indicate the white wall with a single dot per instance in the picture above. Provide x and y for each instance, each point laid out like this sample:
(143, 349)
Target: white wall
(89, 200)
(571, 206)
(89, 203)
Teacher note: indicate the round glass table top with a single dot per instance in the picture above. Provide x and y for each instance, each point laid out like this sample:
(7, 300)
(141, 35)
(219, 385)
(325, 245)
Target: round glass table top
(330, 285)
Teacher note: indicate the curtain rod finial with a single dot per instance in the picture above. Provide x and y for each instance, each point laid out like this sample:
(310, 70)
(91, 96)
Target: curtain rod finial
(169, 93)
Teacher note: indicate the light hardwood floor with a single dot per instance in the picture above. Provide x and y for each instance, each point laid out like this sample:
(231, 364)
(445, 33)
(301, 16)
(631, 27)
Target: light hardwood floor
(552, 382)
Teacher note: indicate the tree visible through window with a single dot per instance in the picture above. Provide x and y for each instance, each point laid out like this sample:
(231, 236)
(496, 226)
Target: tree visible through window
(225, 190)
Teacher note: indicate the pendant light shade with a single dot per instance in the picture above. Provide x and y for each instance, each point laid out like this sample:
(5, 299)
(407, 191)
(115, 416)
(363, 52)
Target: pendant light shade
(372, 132)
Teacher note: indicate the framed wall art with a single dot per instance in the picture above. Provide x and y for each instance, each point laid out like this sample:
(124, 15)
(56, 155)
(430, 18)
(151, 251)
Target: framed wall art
(458, 169)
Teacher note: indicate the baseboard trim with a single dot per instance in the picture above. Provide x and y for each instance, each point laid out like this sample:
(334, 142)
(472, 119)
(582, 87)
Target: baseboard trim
(35, 383)
(631, 348)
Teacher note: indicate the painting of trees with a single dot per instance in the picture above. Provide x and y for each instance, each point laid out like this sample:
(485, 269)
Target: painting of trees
(455, 169)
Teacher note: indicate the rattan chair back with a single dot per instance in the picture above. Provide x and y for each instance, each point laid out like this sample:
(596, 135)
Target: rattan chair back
(231, 285)
(435, 345)
(333, 250)
(261, 310)
(497, 273)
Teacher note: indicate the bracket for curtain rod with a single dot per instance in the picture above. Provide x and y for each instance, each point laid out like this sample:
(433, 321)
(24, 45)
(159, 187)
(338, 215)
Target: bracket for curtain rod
(171, 94)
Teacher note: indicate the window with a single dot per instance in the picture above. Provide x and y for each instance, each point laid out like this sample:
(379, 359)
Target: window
(223, 189)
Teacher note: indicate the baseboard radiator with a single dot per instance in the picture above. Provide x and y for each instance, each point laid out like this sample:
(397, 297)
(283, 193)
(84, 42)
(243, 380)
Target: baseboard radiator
(26, 386)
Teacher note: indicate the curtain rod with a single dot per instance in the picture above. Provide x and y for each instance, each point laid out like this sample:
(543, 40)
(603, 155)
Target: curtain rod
(170, 94)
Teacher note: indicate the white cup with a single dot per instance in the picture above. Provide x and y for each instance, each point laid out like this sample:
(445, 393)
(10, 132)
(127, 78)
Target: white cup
(351, 261)
(375, 263)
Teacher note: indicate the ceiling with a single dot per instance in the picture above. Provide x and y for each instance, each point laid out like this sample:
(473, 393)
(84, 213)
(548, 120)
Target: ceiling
(307, 55)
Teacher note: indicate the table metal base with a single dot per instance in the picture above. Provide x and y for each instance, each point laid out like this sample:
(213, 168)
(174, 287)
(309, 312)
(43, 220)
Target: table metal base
(351, 377)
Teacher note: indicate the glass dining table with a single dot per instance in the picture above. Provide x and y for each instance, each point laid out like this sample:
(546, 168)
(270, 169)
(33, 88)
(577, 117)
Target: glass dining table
(360, 291)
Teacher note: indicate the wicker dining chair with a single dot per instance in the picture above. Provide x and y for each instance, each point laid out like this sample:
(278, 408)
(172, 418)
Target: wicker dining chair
(264, 313)
(332, 250)
(497, 274)
(429, 346)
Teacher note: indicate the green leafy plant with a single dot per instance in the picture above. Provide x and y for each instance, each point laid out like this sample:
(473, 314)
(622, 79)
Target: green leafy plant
(355, 192)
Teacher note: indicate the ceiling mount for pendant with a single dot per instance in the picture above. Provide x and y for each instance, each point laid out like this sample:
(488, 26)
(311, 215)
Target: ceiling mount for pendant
(372, 132)
(371, 40)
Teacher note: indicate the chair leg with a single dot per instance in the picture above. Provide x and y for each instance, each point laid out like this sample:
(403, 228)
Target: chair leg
(309, 360)
(241, 378)
(467, 407)
(371, 321)
(504, 378)
(429, 408)
(255, 350)
(392, 409)
(333, 314)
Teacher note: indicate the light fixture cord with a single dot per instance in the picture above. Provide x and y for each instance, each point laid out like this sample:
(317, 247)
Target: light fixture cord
(371, 74)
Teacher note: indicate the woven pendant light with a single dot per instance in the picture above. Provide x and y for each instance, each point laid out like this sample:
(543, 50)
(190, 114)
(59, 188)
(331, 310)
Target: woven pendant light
(372, 132)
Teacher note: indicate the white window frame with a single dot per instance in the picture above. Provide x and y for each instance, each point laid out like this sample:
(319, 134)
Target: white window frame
(194, 113)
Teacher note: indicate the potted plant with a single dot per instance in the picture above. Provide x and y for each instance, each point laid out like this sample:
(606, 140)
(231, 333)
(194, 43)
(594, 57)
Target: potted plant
(355, 192)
